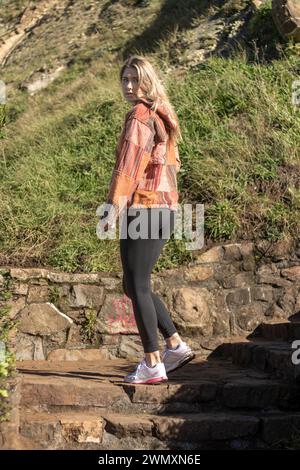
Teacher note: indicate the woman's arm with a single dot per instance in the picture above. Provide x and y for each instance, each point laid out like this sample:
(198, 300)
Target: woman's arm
(132, 159)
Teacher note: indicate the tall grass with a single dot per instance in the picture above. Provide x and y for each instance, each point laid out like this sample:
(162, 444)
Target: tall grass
(240, 158)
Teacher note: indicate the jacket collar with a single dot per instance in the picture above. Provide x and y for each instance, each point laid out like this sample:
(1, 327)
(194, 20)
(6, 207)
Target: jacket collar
(161, 110)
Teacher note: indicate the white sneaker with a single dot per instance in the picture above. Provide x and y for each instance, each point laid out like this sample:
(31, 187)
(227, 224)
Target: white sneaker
(175, 358)
(147, 375)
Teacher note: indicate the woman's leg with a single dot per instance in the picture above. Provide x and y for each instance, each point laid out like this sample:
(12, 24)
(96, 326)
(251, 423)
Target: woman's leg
(138, 258)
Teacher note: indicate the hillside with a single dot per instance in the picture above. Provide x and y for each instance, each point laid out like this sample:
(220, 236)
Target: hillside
(229, 75)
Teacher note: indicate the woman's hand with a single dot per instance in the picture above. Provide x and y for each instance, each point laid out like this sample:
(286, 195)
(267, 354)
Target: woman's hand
(107, 220)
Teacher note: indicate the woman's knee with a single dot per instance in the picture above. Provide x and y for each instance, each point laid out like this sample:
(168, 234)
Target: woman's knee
(126, 289)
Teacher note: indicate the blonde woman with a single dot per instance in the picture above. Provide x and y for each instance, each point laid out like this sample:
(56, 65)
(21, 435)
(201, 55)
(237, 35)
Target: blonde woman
(144, 184)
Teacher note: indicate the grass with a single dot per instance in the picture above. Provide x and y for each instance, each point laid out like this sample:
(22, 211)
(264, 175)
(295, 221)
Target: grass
(240, 156)
(88, 328)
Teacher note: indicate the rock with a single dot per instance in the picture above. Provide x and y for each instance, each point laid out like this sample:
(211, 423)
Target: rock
(38, 354)
(122, 426)
(157, 283)
(116, 315)
(79, 430)
(60, 391)
(264, 293)
(286, 16)
(268, 269)
(38, 294)
(243, 279)
(62, 428)
(257, 3)
(78, 355)
(193, 308)
(75, 337)
(29, 273)
(55, 341)
(287, 301)
(62, 301)
(198, 273)
(249, 263)
(297, 304)
(15, 306)
(276, 281)
(239, 297)
(43, 319)
(37, 81)
(283, 248)
(278, 428)
(205, 426)
(274, 311)
(220, 317)
(292, 273)
(130, 347)
(78, 315)
(213, 255)
(20, 288)
(246, 249)
(252, 393)
(110, 283)
(111, 340)
(249, 316)
(225, 273)
(77, 278)
(150, 395)
(29, 347)
(232, 252)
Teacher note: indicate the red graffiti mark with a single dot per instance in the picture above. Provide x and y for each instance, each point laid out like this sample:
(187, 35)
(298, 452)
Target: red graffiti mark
(123, 314)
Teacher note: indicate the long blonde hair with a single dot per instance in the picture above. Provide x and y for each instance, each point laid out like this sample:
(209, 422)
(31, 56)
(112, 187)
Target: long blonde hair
(153, 90)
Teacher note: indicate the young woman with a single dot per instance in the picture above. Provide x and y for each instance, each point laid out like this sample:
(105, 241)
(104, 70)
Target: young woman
(144, 184)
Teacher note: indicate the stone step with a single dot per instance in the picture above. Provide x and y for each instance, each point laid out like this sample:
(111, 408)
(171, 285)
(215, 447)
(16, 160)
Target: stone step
(275, 357)
(110, 431)
(285, 331)
(200, 386)
(87, 430)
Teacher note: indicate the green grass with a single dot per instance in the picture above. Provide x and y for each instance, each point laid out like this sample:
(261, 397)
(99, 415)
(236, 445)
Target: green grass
(240, 151)
(88, 328)
(240, 158)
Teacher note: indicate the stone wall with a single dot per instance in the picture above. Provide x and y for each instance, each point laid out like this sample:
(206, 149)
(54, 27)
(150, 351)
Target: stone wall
(227, 291)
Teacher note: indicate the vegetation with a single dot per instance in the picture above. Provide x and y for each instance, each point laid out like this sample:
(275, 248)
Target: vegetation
(240, 153)
(7, 358)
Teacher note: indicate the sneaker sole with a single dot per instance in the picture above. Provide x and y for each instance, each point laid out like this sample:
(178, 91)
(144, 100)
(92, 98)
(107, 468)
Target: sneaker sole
(185, 361)
(149, 381)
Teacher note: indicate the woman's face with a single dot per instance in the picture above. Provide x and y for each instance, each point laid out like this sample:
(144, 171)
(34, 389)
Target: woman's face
(130, 84)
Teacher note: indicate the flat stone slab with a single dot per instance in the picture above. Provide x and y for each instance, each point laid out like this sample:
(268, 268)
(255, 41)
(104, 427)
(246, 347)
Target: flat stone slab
(201, 383)
(114, 370)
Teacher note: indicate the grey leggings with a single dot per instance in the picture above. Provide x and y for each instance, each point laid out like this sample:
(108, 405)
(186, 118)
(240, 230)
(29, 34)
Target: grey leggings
(138, 257)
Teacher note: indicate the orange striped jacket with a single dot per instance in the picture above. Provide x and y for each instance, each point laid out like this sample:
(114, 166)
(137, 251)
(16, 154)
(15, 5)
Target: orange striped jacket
(147, 163)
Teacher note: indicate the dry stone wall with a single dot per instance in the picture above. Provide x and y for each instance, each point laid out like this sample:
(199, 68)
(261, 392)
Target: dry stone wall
(227, 291)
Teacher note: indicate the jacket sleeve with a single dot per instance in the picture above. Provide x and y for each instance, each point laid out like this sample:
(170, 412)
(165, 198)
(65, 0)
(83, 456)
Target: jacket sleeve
(133, 156)
(178, 161)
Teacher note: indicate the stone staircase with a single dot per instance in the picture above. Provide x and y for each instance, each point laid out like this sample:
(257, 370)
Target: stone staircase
(245, 395)
(269, 349)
